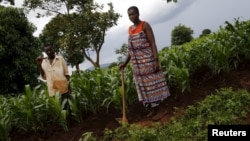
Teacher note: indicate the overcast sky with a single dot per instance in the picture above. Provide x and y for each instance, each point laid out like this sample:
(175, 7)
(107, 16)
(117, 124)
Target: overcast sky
(163, 17)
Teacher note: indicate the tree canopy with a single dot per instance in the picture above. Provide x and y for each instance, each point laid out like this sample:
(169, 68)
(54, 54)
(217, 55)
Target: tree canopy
(171, 1)
(12, 2)
(205, 32)
(181, 34)
(122, 51)
(18, 50)
(57, 32)
(82, 27)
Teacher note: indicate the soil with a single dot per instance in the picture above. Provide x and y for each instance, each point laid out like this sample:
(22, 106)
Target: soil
(202, 84)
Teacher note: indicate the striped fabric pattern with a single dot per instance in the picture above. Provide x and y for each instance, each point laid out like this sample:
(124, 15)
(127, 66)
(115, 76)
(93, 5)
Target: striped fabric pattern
(151, 86)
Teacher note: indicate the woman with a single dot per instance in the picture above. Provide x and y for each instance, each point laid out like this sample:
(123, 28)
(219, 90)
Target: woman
(150, 81)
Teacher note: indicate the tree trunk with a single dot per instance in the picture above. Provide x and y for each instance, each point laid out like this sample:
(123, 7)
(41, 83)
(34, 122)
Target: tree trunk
(77, 68)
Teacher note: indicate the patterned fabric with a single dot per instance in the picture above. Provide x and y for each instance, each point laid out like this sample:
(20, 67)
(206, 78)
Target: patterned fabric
(151, 86)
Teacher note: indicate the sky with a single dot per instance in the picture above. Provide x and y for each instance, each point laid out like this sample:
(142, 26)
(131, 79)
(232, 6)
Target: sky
(163, 17)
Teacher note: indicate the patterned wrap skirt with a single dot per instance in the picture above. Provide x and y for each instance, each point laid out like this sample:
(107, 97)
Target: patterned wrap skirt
(151, 85)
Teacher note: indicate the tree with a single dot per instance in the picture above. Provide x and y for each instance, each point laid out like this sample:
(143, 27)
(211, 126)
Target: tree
(172, 1)
(181, 34)
(18, 50)
(113, 64)
(205, 32)
(123, 51)
(12, 2)
(54, 33)
(86, 24)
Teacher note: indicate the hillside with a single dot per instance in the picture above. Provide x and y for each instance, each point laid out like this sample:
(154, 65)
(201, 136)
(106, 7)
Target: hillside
(202, 84)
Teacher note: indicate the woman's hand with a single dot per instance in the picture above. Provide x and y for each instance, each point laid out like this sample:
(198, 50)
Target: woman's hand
(156, 65)
(121, 67)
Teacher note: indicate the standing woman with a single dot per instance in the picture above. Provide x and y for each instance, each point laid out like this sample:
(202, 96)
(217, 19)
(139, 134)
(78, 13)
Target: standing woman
(150, 81)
